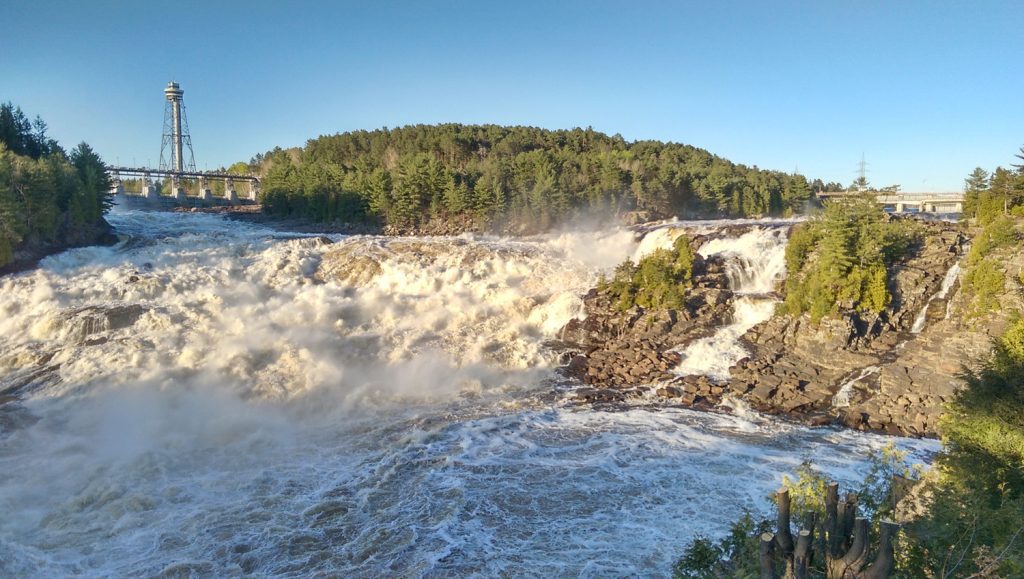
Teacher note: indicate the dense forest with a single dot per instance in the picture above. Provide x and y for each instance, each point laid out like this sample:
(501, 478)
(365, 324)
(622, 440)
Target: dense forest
(513, 178)
(49, 198)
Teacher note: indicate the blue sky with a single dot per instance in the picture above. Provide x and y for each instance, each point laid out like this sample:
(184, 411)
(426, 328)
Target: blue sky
(925, 90)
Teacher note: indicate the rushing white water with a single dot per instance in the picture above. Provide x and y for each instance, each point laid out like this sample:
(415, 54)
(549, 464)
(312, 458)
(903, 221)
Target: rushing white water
(844, 395)
(756, 262)
(947, 284)
(211, 398)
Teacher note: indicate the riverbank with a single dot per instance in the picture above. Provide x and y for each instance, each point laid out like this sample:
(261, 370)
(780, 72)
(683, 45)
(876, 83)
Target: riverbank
(30, 253)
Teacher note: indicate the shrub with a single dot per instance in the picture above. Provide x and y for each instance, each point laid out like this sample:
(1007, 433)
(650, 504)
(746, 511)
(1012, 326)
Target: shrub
(985, 282)
(806, 490)
(659, 281)
(734, 556)
(1000, 232)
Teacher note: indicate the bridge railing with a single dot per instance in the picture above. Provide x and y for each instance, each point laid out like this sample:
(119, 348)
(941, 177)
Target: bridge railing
(146, 172)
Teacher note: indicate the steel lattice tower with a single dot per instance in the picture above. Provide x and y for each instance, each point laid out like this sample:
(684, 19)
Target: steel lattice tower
(176, 135)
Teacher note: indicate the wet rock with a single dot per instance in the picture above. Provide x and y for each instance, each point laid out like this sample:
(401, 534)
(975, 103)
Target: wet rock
(577, 367)
(81, 323)
(347, 267)
(795, 367)
(606, 395)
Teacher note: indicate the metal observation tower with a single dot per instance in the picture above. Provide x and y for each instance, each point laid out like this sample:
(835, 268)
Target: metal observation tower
(178, 169)
(176, 135)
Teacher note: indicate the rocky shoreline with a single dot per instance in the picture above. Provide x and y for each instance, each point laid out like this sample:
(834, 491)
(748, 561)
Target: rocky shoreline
(870, 372)
(31, 252)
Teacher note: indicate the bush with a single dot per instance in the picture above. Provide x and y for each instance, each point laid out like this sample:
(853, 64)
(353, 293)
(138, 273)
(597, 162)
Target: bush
(659, 281)
(1000, 232)
(985, 282)
(734, 556)
(806, 491)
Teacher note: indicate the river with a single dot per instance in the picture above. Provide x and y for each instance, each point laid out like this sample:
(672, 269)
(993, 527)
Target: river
(198, 399)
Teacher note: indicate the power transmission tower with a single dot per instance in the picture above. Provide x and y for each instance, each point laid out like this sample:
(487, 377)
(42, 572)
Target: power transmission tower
(862, 174)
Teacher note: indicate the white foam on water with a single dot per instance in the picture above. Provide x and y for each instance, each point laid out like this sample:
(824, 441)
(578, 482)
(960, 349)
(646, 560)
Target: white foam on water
(756, 262)
(714, 355)
(197, 400)
(947, 283)
(660, 238)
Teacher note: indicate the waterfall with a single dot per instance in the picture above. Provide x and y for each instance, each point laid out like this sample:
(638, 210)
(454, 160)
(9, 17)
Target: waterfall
(947, 284)
(756, 262)
(845, 393)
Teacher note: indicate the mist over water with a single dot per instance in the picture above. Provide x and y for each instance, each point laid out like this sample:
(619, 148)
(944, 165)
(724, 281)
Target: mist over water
(217, 398)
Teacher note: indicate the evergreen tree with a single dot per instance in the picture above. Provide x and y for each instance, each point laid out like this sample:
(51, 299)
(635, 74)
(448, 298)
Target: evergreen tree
(521, 176)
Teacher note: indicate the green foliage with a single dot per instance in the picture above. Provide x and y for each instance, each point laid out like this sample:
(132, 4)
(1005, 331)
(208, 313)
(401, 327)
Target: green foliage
(45, 196)
(876, 487)
(988, 196)
(701, 559)
(975, 521)
(806, 491)
(984, 428)
(976, 185)
(985, 282)
(22, 137)
(735, 555)
(841, 258)
(659, 281)
(1000, 232)
(801, 242)
(524, 177)
(984, 278)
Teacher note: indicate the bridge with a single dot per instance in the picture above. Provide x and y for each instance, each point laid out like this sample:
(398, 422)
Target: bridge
(176, 138)
(179, 179)
(900, 202)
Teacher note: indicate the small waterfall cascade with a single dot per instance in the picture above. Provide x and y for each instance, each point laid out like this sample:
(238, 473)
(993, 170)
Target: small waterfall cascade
(947, 284)
(844, 395)
(756, 262)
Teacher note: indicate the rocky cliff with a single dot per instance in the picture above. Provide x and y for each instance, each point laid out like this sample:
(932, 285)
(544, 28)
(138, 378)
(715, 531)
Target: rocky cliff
(831, 370)
(889, 372)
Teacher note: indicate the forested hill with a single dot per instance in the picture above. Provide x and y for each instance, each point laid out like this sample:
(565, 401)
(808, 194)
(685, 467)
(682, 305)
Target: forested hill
(512, 179)
(49, 199)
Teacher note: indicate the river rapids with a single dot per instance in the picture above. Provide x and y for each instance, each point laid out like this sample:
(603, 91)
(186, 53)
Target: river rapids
(214, 398)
